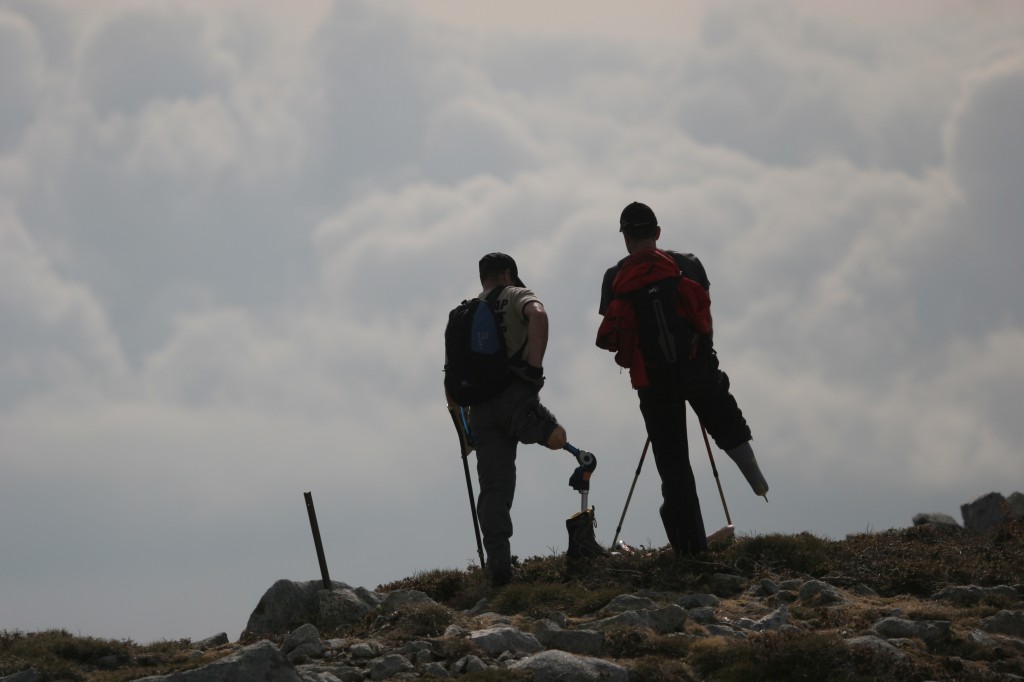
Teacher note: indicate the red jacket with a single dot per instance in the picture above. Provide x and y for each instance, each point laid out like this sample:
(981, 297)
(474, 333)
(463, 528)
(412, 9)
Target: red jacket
(618, 330)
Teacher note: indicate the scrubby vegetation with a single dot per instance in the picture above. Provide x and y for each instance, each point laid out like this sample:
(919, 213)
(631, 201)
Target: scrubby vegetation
(903, 569)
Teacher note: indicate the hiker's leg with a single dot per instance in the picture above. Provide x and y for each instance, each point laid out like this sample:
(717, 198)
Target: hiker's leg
(496, 471)
(708, 393)
(557, 439)
(680, 510)
(531, 422)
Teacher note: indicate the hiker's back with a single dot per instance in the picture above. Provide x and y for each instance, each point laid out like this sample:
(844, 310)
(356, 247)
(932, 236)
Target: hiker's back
(476, 362)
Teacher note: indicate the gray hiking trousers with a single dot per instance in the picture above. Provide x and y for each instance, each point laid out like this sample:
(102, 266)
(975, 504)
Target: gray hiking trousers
(514, 416)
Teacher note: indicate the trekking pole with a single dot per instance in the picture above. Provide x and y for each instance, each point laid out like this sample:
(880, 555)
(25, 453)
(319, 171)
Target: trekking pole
(630, 496)
(466, 445)
(714, 469)
(311, 512)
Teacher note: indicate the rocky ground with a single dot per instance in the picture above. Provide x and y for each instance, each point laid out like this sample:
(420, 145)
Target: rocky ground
(933, 602)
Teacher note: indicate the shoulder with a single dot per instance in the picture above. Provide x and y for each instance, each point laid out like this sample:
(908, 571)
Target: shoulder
(690, 266)
(519, 297)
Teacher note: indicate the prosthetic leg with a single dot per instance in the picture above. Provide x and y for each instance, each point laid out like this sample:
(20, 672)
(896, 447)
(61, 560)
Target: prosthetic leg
(582, 543)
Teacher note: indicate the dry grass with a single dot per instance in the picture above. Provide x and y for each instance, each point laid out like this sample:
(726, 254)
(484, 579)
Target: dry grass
(902, 567)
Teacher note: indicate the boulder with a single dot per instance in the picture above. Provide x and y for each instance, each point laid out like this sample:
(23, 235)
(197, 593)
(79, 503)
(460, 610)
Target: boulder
(1016, 504)
(556, 666)
(287, 605)
(984, 512)
(259, 661)
(502, 638)
(938, 519)
(1005, 623)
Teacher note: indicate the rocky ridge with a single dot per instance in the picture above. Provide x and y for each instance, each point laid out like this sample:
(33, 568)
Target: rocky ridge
(936, 601)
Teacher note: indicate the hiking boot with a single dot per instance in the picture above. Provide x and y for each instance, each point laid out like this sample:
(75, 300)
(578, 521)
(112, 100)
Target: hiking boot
(582, 542)
(499, 576)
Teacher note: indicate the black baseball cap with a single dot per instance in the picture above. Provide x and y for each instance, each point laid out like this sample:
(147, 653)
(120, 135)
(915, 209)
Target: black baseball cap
(500, 262)
(636, 216)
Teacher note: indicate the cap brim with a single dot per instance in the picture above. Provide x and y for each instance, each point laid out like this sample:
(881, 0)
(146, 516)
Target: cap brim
(519, 282)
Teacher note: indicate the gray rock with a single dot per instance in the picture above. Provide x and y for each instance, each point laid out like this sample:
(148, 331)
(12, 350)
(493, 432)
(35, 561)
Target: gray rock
(30, 675)
(1005, 623)
(626, 602)
(972, 594)
(343, 608)
(692, 601)
(1016, 503)
(305, 652)
(984, 512)
(960, 594)
(559, 666)
(765, 588)
(818, 592)
(319, 672)
(259, 661)
(875, 644)
(929, 631)
(454, 631)
(666, 619)
(702, 614)
(435, 670)
(369, 649)
(400, 599)
(219, 639)
(935, 518)
(722, 630)
(773, 621)
(287, 604)
(468, 664)
(553, 636)
(306, 634)
(726, 585)
(388, 666)
(503, 638)
(669, 618)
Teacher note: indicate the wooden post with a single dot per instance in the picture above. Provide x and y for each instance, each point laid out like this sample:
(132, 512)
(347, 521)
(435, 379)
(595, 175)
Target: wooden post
(316, 540)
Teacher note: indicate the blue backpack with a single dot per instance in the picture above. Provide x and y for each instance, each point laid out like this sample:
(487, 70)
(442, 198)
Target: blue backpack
(476, 361)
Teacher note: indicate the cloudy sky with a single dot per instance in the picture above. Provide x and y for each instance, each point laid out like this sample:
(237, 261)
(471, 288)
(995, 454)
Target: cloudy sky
(230, 234)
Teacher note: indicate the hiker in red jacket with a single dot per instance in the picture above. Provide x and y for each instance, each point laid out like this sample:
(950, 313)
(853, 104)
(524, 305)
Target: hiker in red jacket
(672, 361)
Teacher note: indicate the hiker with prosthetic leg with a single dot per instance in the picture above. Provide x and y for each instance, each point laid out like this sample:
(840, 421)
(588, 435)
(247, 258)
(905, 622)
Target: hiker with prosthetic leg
(504, 402)
(657, 321)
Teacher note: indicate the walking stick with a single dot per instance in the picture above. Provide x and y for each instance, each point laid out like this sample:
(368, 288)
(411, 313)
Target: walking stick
(714, 469)
(630, 496)
(466, 445)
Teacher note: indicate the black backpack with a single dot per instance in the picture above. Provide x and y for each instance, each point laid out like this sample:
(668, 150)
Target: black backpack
(476, 361)
(666, 338)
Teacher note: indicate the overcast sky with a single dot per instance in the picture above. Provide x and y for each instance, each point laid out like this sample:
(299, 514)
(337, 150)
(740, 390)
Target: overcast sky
(231, 232)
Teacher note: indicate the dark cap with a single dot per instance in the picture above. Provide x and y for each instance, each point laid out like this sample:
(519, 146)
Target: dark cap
(637, 215)
(497, 263)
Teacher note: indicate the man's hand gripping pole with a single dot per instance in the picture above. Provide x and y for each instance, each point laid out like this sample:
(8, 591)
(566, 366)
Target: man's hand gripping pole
(580, 479)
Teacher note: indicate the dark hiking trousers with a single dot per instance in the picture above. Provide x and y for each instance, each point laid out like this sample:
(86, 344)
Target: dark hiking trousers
(663, 406)
(514, 416)
(680, 509)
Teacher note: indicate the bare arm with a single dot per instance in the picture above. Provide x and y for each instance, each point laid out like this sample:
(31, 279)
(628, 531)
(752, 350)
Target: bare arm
(537, 333)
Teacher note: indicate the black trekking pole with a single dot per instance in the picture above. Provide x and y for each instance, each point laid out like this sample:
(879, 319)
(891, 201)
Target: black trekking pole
(630, 496)
(729, 530)
(466, 445)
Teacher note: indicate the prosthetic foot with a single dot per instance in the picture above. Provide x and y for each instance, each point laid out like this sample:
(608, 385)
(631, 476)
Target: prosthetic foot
(743, 455)
(582, 543)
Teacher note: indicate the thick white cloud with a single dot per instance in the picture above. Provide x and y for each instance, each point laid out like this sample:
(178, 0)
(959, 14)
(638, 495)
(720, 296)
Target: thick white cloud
(230, 236)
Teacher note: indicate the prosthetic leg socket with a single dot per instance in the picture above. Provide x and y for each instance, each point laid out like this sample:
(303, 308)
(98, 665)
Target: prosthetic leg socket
(743, 455)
